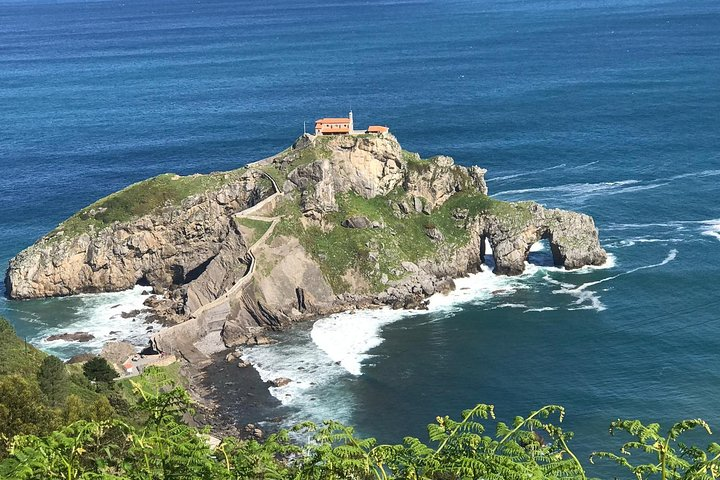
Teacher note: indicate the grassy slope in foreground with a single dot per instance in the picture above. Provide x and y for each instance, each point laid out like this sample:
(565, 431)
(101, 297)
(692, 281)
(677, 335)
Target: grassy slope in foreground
(20, 358)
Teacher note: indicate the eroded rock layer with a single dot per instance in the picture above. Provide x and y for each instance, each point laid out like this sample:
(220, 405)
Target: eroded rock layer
(169, 247)
(357, 222)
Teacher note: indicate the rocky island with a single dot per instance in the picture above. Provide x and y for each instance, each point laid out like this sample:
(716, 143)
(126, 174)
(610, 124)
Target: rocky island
(332, 223)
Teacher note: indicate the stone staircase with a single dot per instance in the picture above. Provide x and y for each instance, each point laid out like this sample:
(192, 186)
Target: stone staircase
(209, 319)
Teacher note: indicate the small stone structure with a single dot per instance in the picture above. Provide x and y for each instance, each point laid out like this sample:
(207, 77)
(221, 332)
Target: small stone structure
(344, 126)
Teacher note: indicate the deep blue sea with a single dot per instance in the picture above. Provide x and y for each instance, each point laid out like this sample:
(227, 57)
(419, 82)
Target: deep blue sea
(611, 108)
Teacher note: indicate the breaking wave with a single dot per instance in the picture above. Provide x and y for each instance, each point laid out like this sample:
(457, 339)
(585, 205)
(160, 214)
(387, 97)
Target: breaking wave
(587, 299)
(712, 228)
(337, 348)
(116, 316)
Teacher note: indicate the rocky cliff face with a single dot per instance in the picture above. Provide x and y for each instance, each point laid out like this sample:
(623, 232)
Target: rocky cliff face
(169, 247)
(358, 222)
(369, 167)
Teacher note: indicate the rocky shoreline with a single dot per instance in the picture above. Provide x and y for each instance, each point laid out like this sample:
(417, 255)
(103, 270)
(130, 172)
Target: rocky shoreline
(331, 224)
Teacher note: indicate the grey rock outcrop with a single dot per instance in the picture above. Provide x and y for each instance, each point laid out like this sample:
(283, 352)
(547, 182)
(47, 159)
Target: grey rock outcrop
(218, 282)
(438, 179)
(572, 236)
(72, 337)
(169, 247)
(117, 352)
(368, 167)
(357, 221)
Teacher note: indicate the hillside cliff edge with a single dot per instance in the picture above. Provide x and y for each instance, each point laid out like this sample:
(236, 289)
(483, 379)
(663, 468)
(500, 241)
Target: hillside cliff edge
(332, 223)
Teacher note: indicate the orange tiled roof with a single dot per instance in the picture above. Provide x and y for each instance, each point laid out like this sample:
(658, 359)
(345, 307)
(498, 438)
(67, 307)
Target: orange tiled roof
(377, 129)
(333, 120)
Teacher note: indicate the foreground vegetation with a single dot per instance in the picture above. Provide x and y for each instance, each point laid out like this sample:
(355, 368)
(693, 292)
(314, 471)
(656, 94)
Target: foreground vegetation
(162, 446)
(73, 423)
(40, 394)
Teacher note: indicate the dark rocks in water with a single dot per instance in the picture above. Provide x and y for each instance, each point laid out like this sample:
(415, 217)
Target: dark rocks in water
(130, 314)
(244, 364)
(149, 350)
(445, 286)
(411, 302)
(357, 221)
(81, 337)
(280, 382)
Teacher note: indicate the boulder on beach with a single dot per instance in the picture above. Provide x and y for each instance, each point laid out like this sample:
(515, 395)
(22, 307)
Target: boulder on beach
(117, 352)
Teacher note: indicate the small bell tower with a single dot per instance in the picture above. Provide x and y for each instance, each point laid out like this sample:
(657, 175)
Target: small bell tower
(351, 122)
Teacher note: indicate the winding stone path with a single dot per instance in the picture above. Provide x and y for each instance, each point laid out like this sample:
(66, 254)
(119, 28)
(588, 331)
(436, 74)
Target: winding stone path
(210, 317)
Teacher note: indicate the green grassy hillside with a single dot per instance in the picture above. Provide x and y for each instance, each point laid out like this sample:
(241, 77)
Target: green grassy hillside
(16, 356)
(141, 199)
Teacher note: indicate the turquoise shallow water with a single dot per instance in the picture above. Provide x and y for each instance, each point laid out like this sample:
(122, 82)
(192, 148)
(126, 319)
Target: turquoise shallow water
(610, 108)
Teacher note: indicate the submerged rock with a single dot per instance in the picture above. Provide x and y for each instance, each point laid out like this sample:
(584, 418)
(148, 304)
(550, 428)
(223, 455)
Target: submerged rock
(281, 382)
(81, 337)
(80, 358)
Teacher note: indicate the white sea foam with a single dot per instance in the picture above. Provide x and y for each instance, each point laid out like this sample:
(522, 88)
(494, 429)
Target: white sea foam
(630, 242)
(102, 316)
(524, 174)
(535, 172)
(337, 347)
(712, 228)
(541, 309)
(347, 337)
(573, 189)
(588, 299)
(538, 247)
(701, 174)
(709, 228)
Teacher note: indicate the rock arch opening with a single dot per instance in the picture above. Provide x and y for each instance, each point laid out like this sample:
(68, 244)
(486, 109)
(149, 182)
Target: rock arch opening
(487, 257)
(540, 254)
(545, 252)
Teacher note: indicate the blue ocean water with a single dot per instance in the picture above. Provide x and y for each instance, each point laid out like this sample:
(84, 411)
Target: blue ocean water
(609, 108)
